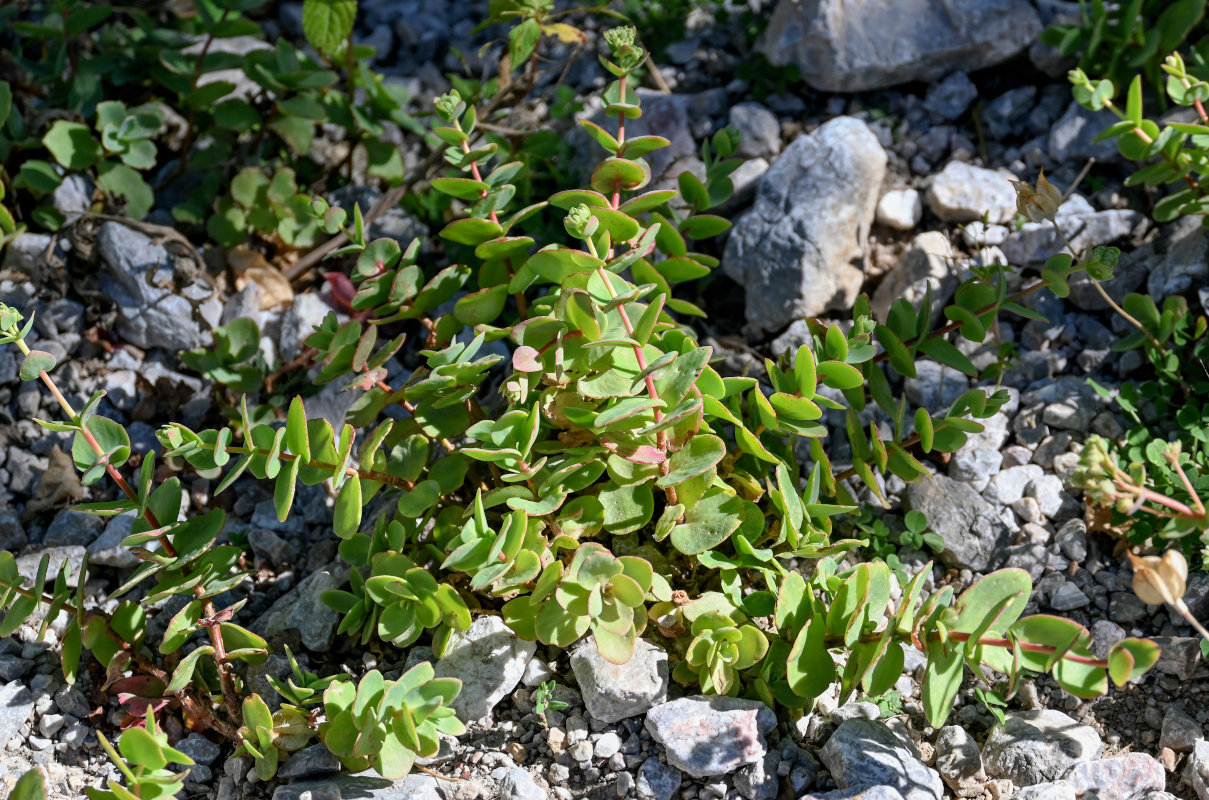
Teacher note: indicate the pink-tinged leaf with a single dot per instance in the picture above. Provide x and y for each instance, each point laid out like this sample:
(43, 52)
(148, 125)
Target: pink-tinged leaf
(526, 359)
(367, 380)
(642, 454)
(343, 290)
(143, 685)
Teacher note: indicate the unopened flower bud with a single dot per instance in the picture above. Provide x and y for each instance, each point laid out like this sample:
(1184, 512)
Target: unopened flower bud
(447, 105)
(580, 223)
(1158, 580)
(619, 38)
(9, 317)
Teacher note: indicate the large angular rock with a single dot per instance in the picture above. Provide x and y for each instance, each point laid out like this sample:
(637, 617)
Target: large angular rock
(1122, 777)
(865, 752)
(363, 786)
(302, 608)
(657, 780)
(857, 793)
(489, 659)
(137, 276)
(713, 735)
(1083, 226)
(799, 250)
(926, 264)
(962, 192)
(857, 45)
(1180, 731)
(613, 692)
(974, 536)
(16, 704)
(959, 761)
(1186, 264)
(1036, 746)
(1197, 772)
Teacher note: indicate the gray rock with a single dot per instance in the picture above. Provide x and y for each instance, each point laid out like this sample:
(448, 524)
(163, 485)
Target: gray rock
(1039, 745)
(713, 735)
(964, 193)
(310, 761)
(489, 659)
(974, 536)
(1072, 137)
(1186, 263)
(974, 466)
(302, 608)
(949, 99)
(959, 761)
(27, 253)
(200, 749)
(856, 45)
(758, 128)
(1197, 595)
(1181, 655)
(1051, 790)
(854, 710)
(607, 745)
(73, 527)
(71, 700)
(856, 793)
(1105, 634)
(107, 549)
(1083, 226)
(1180, 731)
(794, 251)
(759, 781)
(13, 667)
(1125, 607)
(50, 724)
(269, 548)
(926, 264)
(1070, 403)
(16, 704)
(1003, 116)
(137, 275)
(73, 196)
(900, 209)
(657, 780)
(244, 87)
(864, 752)
(613, 692)
(72, 554)
(1071, 539)
(298, 322)
(518, 784)
(1122, 777)
(364, 786)
(12, 532)
(1197, 771)
(935, 385)
(1068, 597)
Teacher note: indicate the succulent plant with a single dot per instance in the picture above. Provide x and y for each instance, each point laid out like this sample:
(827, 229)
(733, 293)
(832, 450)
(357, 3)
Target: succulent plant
(719, 650)
(597, 591)
(387, 724)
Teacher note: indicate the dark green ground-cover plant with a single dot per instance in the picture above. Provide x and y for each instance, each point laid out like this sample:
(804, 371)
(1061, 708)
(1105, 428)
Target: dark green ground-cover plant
(1152, 482)
(617, 484)
(1121, 40)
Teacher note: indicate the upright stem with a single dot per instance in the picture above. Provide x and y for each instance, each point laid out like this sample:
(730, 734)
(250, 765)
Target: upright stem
(521, 306)
(224, 668)
(190, 125)
(1187, 615)
(639, 356)
(1107, 299)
